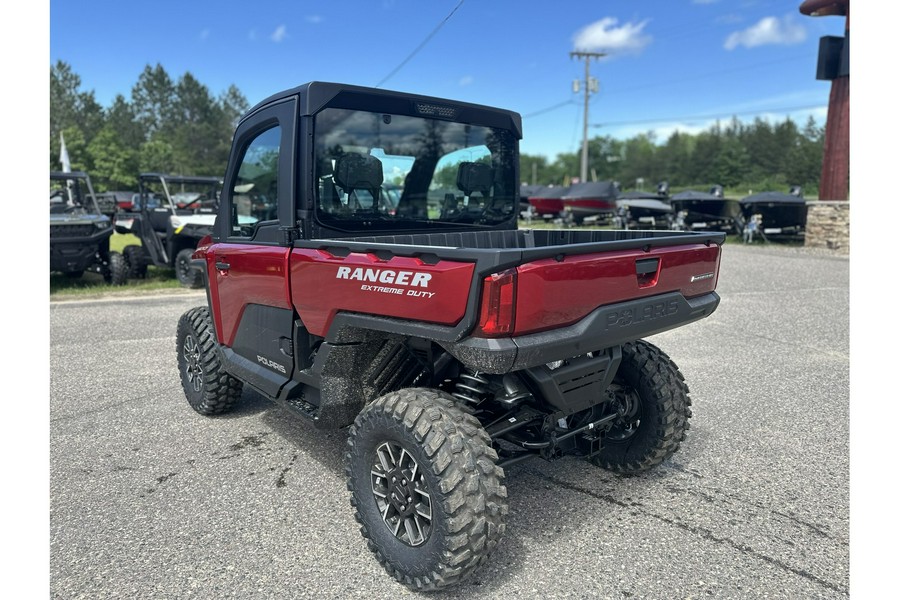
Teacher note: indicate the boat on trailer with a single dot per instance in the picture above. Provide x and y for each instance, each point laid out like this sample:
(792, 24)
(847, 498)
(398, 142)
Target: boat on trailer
(708, 210)
(646, 210)
(595, 199)
(779, 213)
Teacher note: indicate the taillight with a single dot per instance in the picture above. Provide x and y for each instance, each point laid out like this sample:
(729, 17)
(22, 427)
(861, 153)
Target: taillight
(498, 305)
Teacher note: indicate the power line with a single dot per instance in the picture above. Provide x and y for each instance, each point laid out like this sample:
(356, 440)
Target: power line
(422, 45)
(548, 109)
(710, 116)
(658, 84)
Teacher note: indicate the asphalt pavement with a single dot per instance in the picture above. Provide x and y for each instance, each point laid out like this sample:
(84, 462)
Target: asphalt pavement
(150, 500)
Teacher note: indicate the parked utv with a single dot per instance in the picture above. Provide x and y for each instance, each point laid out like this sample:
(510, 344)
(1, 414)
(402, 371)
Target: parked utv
(170, 214)
(79, 231)
(448, 343)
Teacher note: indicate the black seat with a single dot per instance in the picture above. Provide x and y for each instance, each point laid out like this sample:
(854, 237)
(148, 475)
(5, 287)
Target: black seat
(475, 177)
(159, 219)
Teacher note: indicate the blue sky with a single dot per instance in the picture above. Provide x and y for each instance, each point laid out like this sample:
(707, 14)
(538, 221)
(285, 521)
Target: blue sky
(670, 63)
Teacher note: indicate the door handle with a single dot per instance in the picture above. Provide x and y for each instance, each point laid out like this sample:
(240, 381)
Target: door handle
(222, 265)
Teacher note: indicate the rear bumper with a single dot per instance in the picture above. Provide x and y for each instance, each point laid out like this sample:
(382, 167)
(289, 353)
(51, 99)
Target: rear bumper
(605, 327)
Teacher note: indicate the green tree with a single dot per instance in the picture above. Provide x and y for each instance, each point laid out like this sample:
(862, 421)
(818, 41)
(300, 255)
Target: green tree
(70, 108)
(121, 119)
(605, 156)
(156, 156)
(194, 128)
(762, 149)
(731, 164)
(64, 91)
(234, 104)
(533, 169)
(804, 162)
(640, 161)
(115, 166)
(706, 150)
(675, 158)
(152, 99)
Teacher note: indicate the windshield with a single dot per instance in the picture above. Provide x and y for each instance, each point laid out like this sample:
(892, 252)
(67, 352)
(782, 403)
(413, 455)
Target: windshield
(383, 171)
(196, 196)
(70, 196)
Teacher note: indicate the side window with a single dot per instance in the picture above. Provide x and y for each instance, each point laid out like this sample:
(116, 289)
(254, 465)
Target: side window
(255, 189)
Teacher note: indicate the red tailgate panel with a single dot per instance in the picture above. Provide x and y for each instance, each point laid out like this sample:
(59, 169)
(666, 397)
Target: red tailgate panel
(323, 284)
(553, 294)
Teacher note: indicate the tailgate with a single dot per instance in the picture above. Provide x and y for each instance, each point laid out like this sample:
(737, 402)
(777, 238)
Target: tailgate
(428, 291)
(553, 293)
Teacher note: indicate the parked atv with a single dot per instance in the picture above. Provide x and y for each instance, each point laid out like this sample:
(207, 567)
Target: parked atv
(446, 342)
(170, 214)
(80, 232)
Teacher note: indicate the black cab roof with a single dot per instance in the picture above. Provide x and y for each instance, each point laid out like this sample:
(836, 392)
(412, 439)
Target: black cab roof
(315, 95)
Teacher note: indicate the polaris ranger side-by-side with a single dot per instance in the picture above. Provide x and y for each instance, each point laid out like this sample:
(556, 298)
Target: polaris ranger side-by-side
(80, 231)
(171, 215)
(450, 343)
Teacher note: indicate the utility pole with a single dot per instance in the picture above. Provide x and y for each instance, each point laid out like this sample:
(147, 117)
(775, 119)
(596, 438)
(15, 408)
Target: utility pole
(590, 85)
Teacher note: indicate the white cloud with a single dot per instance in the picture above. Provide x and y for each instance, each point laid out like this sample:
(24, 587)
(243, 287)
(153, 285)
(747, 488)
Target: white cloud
(769, 30)
(315, 19)
(467, 80)
(605, 36)
(279, 34)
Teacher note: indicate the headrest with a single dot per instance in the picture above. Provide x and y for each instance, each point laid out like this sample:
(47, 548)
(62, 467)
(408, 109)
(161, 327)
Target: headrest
(358, 171)
(474, 177)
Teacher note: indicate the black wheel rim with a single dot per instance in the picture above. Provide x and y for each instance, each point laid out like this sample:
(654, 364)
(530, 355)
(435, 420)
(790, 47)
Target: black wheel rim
(184, 269)
(193, 370)
(401, 494)
(628, 407)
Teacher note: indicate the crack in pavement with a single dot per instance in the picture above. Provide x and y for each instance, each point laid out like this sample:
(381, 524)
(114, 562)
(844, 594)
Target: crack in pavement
(696, 530)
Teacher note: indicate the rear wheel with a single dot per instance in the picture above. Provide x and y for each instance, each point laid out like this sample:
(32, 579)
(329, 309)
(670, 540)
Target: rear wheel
(209, 389)
(136, 259)
(653, 405)
(187, 275)
(428, 493)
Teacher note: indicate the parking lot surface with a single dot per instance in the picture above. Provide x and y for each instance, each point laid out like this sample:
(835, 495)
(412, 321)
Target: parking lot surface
(150, 500)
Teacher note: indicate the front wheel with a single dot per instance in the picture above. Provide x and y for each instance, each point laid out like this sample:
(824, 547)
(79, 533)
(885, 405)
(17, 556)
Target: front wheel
(653, 407)
(115, 272)
(209, 389)
(187, 275)
(428, 493)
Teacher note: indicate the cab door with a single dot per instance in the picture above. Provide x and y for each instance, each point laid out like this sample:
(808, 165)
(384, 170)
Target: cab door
(247, 264)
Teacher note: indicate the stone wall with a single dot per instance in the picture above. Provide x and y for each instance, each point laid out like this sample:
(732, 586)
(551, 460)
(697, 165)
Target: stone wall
(828, 225)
